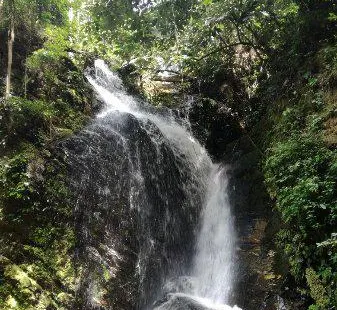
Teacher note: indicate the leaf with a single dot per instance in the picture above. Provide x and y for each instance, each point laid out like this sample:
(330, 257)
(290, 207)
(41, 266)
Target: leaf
(207, 2)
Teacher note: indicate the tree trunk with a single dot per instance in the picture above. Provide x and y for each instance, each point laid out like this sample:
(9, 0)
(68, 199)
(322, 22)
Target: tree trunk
(1, 9)
(11, 37)
(1, 20)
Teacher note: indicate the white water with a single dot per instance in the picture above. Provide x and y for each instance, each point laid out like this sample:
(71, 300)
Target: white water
(214, 260)
(213, 265)
(116, 99)
(204, 302)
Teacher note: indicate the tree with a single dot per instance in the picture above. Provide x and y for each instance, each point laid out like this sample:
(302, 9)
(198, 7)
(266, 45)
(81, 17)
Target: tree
(10, 43)
(25, 22)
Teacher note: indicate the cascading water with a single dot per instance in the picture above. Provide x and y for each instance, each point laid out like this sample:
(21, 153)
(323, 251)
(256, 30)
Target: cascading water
(214, 261)
(152, 214)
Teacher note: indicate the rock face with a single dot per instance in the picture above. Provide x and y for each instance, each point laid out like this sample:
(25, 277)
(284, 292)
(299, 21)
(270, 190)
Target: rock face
(251, 209)
(180, 302)
(259, 282)
(135, 213)
(138, 204)
(185, 302)
(214, 126)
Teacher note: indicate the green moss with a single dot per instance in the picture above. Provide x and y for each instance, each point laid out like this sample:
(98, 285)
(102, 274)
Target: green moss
(300, 171)
(317, 289)
(37, 237)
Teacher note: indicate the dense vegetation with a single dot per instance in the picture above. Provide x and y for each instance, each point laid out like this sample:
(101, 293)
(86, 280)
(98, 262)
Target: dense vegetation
(272, 64)
(50, 100)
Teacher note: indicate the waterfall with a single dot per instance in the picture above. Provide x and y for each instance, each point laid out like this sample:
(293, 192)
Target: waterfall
(214, 260)
(152, 215)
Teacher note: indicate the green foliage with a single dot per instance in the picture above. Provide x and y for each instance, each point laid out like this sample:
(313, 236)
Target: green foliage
(35, 13)
(36, 239)
(301, 174)
(39, 122)
(32, 21)
(317, 290)
(54, 76)
(14, 179)
(28, 120)
(327, 60)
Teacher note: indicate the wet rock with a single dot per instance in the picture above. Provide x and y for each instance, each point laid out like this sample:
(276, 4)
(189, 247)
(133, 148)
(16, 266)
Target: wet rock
(182, 284)
(186, 302)
(134, 222)
(180, 302)
(262, 282)
(214, 126)
(256, 225)
(131, 77)
(36, 168)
